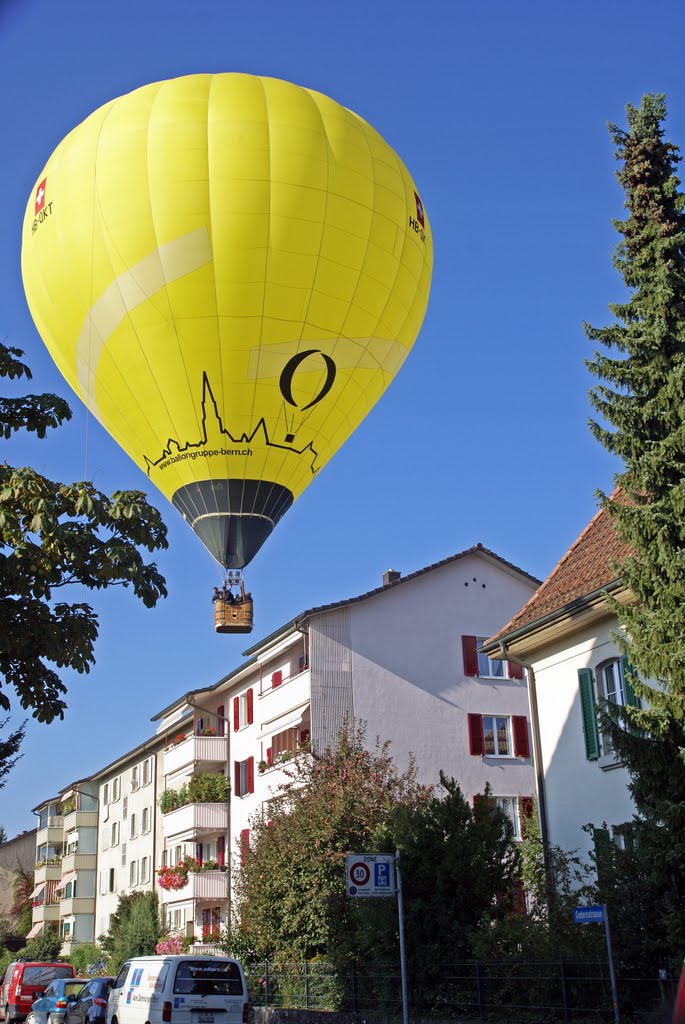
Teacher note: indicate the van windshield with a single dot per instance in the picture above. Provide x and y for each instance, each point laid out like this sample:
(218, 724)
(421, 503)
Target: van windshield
(203, 978)
(44, 975)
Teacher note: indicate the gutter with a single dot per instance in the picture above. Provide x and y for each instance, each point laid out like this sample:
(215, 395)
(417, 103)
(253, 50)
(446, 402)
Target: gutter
(537, 757)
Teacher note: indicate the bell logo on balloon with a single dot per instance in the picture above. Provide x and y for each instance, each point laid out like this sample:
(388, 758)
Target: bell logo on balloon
(235, 270)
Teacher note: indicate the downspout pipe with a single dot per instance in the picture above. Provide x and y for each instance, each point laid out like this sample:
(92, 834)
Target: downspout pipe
(506, 655)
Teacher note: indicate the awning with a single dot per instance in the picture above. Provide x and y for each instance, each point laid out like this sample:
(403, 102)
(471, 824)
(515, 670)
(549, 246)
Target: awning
(69, 877)
(36, 930)
(37, 893)
(286, 721)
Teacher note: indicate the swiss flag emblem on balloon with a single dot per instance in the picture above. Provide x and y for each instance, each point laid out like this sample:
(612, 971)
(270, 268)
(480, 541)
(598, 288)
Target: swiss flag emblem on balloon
(40, 196)
(419, 210)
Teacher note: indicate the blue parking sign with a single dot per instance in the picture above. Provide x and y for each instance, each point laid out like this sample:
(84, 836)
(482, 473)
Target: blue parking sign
(382, 875)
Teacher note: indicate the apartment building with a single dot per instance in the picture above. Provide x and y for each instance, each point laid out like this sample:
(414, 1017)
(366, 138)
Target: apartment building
(129, 827)
(66, 858)
(404, 659)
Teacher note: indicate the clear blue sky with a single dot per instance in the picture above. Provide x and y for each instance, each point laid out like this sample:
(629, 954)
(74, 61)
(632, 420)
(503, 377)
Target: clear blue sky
(499, 110)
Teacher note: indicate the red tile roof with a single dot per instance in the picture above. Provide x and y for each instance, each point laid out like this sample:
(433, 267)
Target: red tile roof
(586, 567)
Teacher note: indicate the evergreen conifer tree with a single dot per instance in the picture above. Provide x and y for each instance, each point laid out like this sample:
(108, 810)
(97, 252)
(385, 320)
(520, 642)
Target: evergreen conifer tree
(640, 398)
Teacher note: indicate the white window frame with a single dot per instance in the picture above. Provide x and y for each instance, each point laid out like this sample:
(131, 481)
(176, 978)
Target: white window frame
(114, 840)
(124, 808)
(133, 873)
(112, 880)
(512, 808)
(116, 789)
(133, 830)
(144, 870)
(146, 773)
(135, 785)
(123, 855)
(496, 752)
(242, 711)
(487, 668)
(146, 817)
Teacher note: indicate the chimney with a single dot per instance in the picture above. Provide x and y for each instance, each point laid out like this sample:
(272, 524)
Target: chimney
(391, 576)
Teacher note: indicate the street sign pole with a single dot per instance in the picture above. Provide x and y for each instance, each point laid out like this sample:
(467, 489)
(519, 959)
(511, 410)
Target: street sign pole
(403, 958)
(612, 972)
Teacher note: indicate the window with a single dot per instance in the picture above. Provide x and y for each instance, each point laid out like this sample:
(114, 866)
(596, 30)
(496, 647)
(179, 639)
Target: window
(610, 682)
(112, 880)
(491, 735)
(145, 822)
(144, 870)
(105, 839)
(103, 883)
(243, 710)
(124, 808)
(476, 664)
(134, 779)
(123, 854)
(116, 789)
(244, 776)
(283, 742)
(301, 663)
(133, 873)
(132, 822)
(115, 834)
(105, 794)
(179, 854)
(146, 772)
(510, 806)
(121, 976)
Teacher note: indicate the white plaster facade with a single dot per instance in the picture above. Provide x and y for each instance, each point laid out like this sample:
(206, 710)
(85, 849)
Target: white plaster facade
(129, 829)
(393, 658)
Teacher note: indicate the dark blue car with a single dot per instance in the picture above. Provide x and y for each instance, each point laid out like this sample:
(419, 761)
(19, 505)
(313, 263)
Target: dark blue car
(90, 1005)
(52, 1005)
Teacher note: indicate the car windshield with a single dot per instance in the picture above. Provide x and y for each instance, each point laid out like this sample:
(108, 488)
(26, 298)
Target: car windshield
(44, 975)
(204, 978)
(72, 988)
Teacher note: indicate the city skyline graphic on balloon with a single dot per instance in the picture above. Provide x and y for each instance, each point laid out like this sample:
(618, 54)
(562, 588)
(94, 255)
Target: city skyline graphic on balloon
(229, 271)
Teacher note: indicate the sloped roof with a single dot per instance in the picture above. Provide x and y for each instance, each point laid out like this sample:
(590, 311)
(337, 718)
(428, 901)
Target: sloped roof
(475, 549)
(585, 568)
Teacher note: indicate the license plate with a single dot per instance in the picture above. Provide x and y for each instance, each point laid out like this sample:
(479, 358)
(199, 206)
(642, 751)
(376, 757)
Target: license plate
(205, 1018)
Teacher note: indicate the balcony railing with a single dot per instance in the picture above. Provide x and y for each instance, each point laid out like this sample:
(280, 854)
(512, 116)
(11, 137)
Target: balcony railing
(202, 885)
(194, 817)
(78, 862)
(48, 872)
(192, 749)
(46, 912)
(77, 905)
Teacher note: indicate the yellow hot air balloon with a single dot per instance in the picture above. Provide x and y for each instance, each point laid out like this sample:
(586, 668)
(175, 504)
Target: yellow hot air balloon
(229, 271)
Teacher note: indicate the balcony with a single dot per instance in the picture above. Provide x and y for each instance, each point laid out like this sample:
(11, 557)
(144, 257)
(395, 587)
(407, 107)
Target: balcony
(211, 749)
(202, 885)
(82, 819)
(52, 833)
(76, 905)
(78, 862)
(46, 912)
(48, 872)
(193, 818)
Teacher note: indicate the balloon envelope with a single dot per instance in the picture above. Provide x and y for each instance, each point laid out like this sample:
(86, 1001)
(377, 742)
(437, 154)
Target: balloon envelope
(229, 271)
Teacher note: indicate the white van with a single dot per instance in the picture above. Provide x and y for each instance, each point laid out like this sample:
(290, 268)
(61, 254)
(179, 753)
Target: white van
(179, 990)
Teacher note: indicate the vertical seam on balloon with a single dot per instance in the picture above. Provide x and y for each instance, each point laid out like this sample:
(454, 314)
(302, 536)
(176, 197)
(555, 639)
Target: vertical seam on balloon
(216, 296)
(266, 268)
(309, 96)
(173, 320)
(105, 230)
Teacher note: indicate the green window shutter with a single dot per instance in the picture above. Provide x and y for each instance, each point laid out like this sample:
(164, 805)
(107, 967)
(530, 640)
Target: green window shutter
(602, 841)
(631, 699)
(587, 704)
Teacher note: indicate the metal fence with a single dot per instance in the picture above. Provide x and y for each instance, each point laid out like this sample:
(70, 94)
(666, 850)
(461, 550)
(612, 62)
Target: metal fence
(540, 992)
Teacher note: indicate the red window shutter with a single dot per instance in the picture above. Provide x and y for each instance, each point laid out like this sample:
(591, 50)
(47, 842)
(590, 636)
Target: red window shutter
(269, 824)
(269, 756)
(221, 851)
(236, 774)
(277, 678)
(468, 646)
(236, 714)
(520, 728)
(476, 741)
(250, 706)
(220, 721)
(244, 844)
(206, 921)
(250, 774)
(514, 671)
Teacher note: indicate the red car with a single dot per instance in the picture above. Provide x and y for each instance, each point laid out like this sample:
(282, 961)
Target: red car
(24, 982)
(679, 1005)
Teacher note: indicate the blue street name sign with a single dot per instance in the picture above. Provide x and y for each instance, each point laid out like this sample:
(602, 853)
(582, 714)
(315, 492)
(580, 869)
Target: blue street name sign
(587, 915)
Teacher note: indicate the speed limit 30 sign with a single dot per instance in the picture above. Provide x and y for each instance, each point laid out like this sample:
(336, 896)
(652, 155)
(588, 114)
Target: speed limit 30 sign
(370, 874)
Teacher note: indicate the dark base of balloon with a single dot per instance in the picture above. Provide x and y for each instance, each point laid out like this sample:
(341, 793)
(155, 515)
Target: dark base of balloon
(233, 518)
